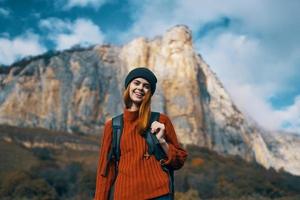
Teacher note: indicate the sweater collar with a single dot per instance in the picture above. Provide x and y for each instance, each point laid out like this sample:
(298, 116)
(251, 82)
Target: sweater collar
(130, 115)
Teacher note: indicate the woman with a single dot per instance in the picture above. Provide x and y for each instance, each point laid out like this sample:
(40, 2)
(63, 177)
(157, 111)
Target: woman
(139, 175)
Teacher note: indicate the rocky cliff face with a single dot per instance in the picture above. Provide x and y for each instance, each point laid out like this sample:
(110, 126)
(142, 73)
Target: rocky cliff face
(285, 149)
(78, 90)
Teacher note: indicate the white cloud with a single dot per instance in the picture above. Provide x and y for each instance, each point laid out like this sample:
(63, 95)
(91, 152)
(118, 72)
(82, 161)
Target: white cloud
(290, 116)
(56, 25)
(66, 34)
(265, 17)
(19, 47)
(252, 101)
(84, 3)
(247, 59)
(4, 12)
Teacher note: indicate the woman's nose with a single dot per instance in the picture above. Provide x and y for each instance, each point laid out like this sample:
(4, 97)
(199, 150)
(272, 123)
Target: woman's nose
(140, 86)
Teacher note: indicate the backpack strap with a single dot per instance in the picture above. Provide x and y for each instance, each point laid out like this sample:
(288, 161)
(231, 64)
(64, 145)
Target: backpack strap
(114, 152)
(154, 148)
(117, 123)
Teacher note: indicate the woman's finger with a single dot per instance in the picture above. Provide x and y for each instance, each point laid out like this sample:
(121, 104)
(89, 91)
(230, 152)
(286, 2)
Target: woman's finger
(157, 126)
(153, 126)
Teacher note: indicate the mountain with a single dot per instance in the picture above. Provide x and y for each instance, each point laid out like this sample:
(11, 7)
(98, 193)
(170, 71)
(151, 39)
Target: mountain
(79, 89)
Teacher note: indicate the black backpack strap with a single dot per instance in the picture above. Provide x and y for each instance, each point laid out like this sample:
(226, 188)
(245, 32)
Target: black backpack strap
(114, 152)
(117, 123)
(154, 148)
(148, 135)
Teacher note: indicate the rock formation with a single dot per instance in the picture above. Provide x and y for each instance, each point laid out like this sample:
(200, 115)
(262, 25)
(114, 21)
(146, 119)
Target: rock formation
(78, 90)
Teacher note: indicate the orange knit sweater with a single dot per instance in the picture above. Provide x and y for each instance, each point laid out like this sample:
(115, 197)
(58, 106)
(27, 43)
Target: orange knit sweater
(138, 178)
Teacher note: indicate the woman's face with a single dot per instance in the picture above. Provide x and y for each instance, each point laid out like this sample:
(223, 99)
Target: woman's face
(138, 87)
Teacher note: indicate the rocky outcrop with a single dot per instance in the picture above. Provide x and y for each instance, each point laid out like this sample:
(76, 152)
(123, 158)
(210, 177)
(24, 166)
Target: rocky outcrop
(78, 90)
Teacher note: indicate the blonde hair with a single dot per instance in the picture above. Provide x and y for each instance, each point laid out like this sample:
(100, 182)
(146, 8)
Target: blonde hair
(144, 110)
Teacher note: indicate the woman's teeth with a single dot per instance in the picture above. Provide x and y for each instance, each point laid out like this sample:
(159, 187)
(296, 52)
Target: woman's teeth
(138, 94)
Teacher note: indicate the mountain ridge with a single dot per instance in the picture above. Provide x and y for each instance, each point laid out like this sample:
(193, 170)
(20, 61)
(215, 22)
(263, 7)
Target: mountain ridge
(77, 91)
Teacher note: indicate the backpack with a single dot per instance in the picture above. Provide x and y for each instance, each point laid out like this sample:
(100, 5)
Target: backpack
(154, 148)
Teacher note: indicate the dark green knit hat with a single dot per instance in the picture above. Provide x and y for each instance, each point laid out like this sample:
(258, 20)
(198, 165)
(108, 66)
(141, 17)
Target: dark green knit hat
(142, 72)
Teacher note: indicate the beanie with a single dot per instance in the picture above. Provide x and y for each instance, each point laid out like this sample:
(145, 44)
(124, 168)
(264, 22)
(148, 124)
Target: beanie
(142, 72)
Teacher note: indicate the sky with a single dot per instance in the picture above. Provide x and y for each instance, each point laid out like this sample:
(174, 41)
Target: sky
(252, 45)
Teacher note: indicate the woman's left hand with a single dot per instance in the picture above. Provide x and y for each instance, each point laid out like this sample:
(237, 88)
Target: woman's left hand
(159, 129)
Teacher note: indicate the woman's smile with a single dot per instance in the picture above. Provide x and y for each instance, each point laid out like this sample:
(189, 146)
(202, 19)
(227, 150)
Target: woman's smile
(138, 94)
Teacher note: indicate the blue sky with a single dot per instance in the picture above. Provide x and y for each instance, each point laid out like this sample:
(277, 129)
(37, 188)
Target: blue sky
(252, 45)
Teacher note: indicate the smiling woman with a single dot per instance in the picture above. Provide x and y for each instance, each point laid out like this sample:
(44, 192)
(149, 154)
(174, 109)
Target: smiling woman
(140, 164)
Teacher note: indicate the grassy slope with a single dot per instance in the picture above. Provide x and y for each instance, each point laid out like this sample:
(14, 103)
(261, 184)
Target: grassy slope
(215, 176)
(14, 157)
(70, 174)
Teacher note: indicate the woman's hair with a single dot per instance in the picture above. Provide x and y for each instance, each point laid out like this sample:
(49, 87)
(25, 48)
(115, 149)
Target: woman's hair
(144, 110)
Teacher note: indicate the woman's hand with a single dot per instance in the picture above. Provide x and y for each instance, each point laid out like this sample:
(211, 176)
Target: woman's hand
(159, 129)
